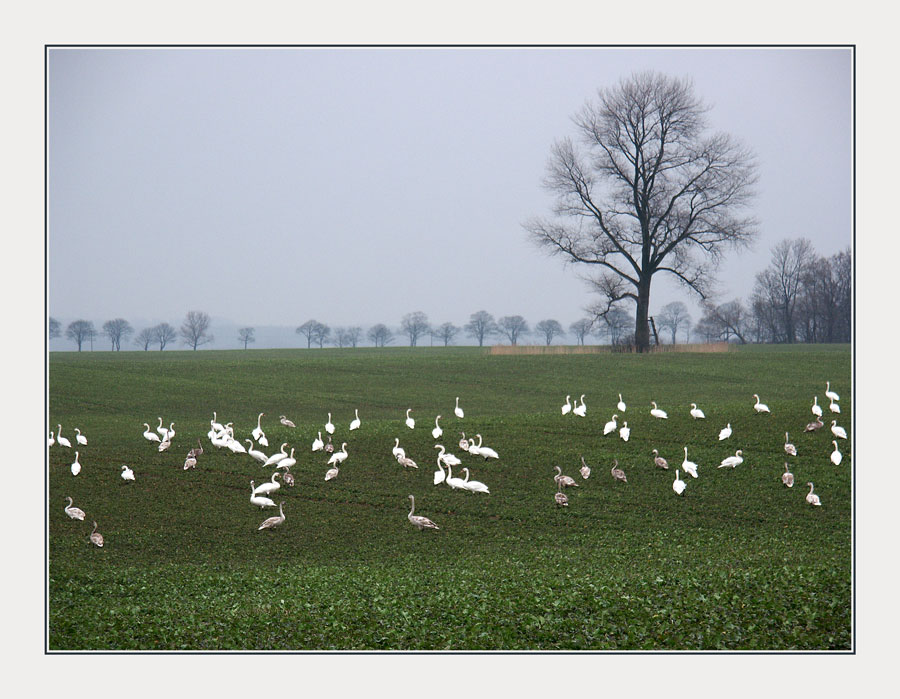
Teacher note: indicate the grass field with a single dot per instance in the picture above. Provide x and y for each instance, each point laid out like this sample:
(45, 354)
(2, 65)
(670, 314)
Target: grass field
(740, 562)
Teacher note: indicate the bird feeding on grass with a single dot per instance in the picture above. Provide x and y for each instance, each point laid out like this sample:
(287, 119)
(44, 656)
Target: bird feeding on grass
(258, 500)
(760, 407)
(732, 461)
(617, 473)
(696, 413)
(284, 421)
(417, 520)
(562, 500)
(585, 469)
(660, 462)
(789, 448)
(725, 432)
(566, 481)
(273, 522)
(656, 412)
(127, 474)
(97, 538)
(73, 512)
(811, 497)
(787, 477)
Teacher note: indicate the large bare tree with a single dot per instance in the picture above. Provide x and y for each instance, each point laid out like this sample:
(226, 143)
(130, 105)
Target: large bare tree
(673, 317)
(195, 329)
(481, 325)
(580, 329)
(80, 331)
(780, 285)
(415, 325)
(145, 338)
(117, 330)
(380, 335)
(163, 334)
(513, 327)
(646, 190)
(549, 329)
(446, 332)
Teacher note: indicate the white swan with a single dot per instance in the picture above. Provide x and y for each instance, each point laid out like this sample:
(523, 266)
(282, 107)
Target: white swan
(284, 421)
(585, 469)
(725, 432)
(273, 522)
(256, 453)
(473, 448)
(190, 462)
(97, 538)
(837, 431)
(268, 486)
(406, 462)
(355, 423)
(732, 461)
(80, 438)
(170, 433)
(150, 436)
(259, 500)
(439, 475)
(611, 425)
(475, 486)
(263, 440)
(617, 473)
(288, 478)
(60, 439)
(288, 462)
(76, 467)
(689, 466)
(397, 450)
(257, 431)
(562, 500)
(163, 445)
(625, 431)
(463, 442)
(811, 497)
(486, 452)
(329, 427)
(51, 441)
(332, 473)
(277, 456)
(696, 413)
(318, 444)
(216, 425)
(620, 406)
(831, 395)
(813, 426)
(816, 408)
(580, 410)
(678, 485)
(453, 481)
(660, 462)
(567, 408)
(836, 455)
(656, 412)
(410, 423)
(73, 512)
(127, 474)
(448, 458)
(567, 481)
(338, 456)
(437, 431)
(834, 407)
(787, 477)
(457, 410)
(760, 407)
(789, 448)
(417, 520)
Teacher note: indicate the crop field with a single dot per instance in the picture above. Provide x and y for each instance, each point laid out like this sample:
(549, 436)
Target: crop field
(739, 562)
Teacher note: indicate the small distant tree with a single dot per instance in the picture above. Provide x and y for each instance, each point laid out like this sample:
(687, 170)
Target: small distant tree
(380, 335)
(581, 328)
(117, 330)
(446, 333)
(341, 339)
(729, 320)
(415, 325)
(80, 331)
(164, 334)
(195, 329)
(246, 335)
(145, 338)
(616, 323)
(354, 333)
(322, 334)
(308, 330)
(549, 329)
(513, 327)
(674, 317)
(54, 328)
(481, 325)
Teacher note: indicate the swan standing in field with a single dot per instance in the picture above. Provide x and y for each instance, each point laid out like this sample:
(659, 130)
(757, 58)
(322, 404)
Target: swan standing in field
(288, 462)
(660, 462)
(473, 448)
(406, 462)
(815, 425)
(585, 469)
(834, 407)
(258, 431)
(284, 421)
(448, 458)
(235, 446)
(837, 431)
(318, 444)
(162, 431)
(263, 440)
(453, 481)
(562, 500)
(732, 461)
(725, 432)
(259, 500)
(689, 466)
(268, 486)
(836, 455)
(288, 478)
(80, 438)
(760, 407)
(486, 452)
(625, 431)
(696, 413)
(127, 474)
(215, 424)
(76, 467)
(332, 472)
(656, 412)
(397, 450)
(610, 426)
(277, 456)
(789, 448)
(338, 456)
(437, 431)
(273, 522)
(163, 445)
(457, 410)
(62, 441)
(329, 447)
(170, 433)
(811, 497)
(463, 442)
(417, 520)
(329, 427)
(256, 453)
(355, 423)
(410, 423)
(567, 408)
(787, 477)
(620, 406)
(51, 441)
(198, 450)
(439, 475)
(475, 486)
(97, 538)
(567, 481)
(678, 485)
(831, 395)
(617, 473)
(816, 408)
(580, 410)
(189, 462)
(73, 512)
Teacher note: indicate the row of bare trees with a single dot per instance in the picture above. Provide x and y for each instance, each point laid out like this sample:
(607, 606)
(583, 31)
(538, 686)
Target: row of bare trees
(194, 332)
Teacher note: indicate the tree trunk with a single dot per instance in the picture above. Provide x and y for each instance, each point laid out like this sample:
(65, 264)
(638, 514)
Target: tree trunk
(641, 326)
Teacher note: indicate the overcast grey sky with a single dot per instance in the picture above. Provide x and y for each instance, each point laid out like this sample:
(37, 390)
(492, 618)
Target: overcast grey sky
(270, 186)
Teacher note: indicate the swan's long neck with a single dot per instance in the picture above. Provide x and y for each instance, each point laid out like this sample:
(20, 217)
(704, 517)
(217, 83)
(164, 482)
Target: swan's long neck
(449, 472)
(252, 486)
(160, 422)
(412, 505)
(436, 421)
(685, 453)
(479, 440)
(70, 502)
(677, 477)
(810, 489)
(95, 524)
(274, 476)
(467, 474)
(281, 510)
(259, 421)
(558, 470)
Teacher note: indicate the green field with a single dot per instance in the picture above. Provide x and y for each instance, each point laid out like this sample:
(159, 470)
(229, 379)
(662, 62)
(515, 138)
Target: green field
(740, 562)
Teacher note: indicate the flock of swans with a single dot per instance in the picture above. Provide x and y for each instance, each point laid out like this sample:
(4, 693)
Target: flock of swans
(222, 436)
